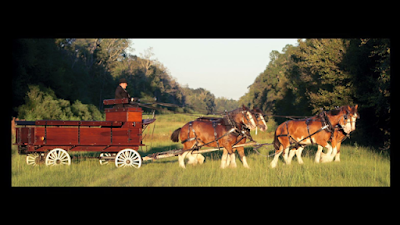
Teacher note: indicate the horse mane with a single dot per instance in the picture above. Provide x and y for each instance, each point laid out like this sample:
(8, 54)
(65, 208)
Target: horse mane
(257, 110)
(336, 111)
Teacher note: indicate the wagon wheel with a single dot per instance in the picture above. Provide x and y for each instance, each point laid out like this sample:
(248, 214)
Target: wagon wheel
(128, 158)
(32, 159)
(58, 157)
(103, 161)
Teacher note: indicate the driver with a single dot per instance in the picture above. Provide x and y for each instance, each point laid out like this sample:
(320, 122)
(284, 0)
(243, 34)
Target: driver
(121, 92)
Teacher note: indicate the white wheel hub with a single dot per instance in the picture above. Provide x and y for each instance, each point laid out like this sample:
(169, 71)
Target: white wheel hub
(128, 158)
(58, 157)
(103, 161)
(32, 159)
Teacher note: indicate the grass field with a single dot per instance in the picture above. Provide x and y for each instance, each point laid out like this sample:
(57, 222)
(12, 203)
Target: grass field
(359, 166)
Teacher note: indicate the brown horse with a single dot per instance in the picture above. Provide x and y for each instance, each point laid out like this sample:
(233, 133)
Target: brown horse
(336, 140)
(260, 122)
(221, 134)
(320, 127)
(338, 137)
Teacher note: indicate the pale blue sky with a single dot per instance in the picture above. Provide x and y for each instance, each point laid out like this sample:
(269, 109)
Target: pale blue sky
(226, 67)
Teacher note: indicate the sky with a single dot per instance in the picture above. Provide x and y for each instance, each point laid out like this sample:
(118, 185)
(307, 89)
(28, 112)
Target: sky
(225, 67)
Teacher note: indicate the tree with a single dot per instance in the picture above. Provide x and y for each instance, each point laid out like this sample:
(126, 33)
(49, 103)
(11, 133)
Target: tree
(145, 60)
(42, 104)
(368, 60)
(320, 74)
(324, 73)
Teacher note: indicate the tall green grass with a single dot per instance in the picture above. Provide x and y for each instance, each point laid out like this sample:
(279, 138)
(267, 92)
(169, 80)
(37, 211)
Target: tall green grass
(359, 166)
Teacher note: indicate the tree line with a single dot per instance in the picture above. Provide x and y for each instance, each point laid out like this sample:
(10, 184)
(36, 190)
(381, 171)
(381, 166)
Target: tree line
(68, 78)
(324, 73)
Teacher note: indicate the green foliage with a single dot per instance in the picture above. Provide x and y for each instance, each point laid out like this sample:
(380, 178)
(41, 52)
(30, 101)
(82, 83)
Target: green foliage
(44, 105)
(320, 69)
(222, 104)
(199, 100)
(324, 73)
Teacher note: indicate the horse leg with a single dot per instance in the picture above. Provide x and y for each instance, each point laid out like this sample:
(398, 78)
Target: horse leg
(328, 156)
(224, 158)
(318, 154)
(181, 159)
(192, 159)
(227, 157)
(337, 157)
(200, 158)
(228, 160)
(276, 157)
(298, 154)
(291, 154)
(243, 157)
(285, 155)
(232, 159)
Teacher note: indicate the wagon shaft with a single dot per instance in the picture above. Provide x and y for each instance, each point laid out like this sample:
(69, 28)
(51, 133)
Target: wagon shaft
(172, 153)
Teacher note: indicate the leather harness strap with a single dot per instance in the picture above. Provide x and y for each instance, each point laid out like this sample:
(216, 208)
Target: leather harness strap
(195, 136)
(308, 130)
(214, 124)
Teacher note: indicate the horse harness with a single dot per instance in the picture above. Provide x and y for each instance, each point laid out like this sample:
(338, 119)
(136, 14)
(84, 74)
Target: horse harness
(325, 125)
(227, 121)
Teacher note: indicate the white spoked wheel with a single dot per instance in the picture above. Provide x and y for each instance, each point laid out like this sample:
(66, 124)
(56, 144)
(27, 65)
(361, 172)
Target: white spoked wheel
(128, 158)
(32, 159)
(103, 161)
(58, 157)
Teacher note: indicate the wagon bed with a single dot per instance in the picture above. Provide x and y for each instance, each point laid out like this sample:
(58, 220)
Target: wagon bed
(122, 130)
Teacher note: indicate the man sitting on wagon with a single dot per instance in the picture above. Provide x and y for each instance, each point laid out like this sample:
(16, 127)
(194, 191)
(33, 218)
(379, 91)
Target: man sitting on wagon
(121, 92)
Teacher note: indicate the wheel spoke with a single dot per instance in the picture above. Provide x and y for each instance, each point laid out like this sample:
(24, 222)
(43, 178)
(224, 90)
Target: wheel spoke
(58, 157)
(128, 158)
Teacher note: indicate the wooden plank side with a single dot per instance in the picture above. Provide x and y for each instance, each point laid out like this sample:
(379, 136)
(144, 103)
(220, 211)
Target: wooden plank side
(124, 116)
(135, 136)
(57, 122)
(115, 101)
(134, 116)
(115, 116)
(22, 135)
(39, 136)
(101, 123)
(61, 136)
(96, 123)
(120, 136)
(95, 136)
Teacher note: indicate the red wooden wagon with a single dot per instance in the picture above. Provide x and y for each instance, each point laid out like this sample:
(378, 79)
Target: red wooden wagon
(118, 138)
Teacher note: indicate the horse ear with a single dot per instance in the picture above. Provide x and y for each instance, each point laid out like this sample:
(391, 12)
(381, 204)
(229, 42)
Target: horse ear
(244, 107)
(356, 106)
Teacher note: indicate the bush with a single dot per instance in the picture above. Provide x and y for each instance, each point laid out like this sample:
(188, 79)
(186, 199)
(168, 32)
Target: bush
(42, 104)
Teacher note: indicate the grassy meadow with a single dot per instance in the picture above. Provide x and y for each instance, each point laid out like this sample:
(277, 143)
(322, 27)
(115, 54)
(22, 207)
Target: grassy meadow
(359, 166)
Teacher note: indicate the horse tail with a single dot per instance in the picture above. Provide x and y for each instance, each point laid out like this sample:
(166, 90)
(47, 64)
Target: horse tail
(175, 135)
(276, 141)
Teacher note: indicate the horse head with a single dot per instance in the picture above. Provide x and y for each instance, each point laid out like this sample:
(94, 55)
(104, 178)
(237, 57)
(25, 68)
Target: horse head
(349, 118)
(354, 115)
(244, 116)
(258, 114)
(340, 117)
